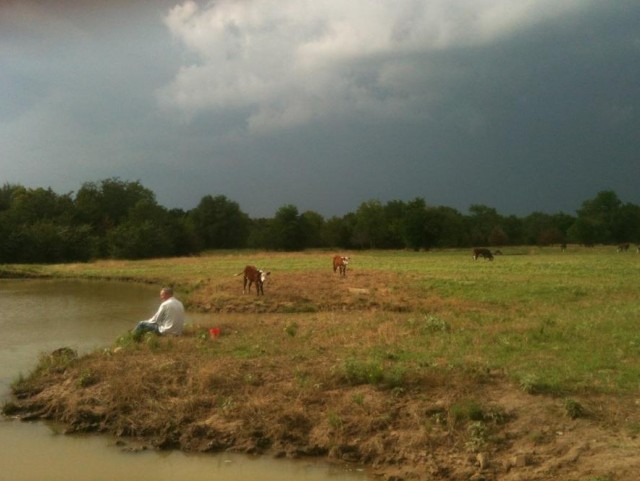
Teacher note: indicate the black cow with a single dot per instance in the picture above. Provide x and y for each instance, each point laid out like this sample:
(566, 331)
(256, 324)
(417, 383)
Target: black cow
(481, 252)
(623, 247)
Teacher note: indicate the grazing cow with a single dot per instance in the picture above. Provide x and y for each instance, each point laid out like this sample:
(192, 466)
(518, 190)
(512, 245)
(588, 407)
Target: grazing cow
(251, 275)
(623, 247)
(340, 264)
(480, 252)
(497, 252)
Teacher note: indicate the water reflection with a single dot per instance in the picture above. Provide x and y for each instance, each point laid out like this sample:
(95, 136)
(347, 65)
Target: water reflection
(39, 316)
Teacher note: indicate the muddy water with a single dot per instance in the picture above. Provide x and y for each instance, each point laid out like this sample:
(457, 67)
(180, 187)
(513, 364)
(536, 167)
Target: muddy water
(39, 316)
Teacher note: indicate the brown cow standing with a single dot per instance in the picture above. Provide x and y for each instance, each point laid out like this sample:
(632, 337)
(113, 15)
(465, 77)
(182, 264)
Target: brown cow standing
(480, 252)
(251, 275)
(340, 264)
(623, 247)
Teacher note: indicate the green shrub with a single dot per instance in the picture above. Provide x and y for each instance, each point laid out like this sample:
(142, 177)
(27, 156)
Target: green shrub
(87, 378)
(363, 372)
(574, 409)
(467, 410)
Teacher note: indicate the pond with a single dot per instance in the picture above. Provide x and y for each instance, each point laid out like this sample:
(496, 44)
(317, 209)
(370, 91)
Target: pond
(38, 316)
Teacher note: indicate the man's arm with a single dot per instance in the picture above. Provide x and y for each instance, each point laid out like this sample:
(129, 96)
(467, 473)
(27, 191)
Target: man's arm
(158, 316)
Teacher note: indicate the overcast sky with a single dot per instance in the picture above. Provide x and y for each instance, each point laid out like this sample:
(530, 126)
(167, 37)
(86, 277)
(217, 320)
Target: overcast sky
(520, 105)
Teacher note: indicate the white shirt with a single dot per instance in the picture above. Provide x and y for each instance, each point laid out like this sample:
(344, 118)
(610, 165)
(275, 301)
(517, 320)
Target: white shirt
(170, 317)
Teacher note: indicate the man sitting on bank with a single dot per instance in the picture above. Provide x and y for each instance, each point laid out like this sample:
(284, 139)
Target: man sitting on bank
(168, 320)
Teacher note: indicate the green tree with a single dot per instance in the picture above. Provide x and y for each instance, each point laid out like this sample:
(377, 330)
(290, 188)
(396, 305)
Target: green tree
(338, 231)
(313, 225)
(415, 225)
(7, 192)
(37, 225)
(220, 223)
(286, 231)
(259, 232)
(482, 222)
(448, 226)
(370, 230)
(105, 204)
(394, 220)
(599, 219)
(498, 237)
(586, 231)
(535, 226)
(32, 205)
(182, 232)
(626, 226)
(138, 240)
(149, 231)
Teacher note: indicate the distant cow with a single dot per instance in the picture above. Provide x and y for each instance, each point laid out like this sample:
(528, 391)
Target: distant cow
(251, 275)
(623, 247)
(480, 252)
(340, 264)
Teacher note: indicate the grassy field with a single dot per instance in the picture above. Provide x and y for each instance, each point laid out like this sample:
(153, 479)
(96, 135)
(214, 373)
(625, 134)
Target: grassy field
(432, 345)
(558, 321)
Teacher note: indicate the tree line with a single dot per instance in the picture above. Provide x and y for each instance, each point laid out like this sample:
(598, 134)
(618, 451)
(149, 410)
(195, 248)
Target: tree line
(119, 219)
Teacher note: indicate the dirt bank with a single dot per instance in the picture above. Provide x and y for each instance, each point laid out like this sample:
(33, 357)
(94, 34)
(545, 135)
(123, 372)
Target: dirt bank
(199, 394)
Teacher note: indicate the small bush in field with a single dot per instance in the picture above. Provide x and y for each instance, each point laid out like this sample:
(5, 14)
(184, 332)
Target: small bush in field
(373, 372)
(574, 409)
(363, 372)
(466, 411)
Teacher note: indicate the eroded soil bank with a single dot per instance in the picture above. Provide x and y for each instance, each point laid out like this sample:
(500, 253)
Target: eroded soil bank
(286, 393)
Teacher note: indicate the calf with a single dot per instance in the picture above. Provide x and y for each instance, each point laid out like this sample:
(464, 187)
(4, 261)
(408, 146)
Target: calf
(480, 252)
(251, 275)
(340, 264)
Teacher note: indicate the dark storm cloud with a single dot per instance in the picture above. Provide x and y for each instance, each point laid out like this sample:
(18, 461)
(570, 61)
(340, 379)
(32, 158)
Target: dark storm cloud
(521, 106)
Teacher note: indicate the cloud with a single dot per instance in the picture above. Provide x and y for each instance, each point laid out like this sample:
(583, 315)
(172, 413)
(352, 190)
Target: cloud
(289, 62)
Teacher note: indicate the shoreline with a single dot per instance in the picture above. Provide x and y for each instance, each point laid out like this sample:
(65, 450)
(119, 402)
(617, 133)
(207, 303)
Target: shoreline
(444, 423)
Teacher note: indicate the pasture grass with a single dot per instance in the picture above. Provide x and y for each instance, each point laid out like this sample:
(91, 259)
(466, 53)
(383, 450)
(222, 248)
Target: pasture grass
(554, 322)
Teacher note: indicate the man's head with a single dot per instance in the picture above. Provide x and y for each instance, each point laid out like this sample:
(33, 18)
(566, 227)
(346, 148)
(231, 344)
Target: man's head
(166, 293)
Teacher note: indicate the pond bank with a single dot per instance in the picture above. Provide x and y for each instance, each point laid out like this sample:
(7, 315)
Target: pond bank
(241, 394)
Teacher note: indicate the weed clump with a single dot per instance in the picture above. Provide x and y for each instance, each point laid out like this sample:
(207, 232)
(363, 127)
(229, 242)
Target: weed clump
(356, 372)
(429, 324)
(574, 409)
(467, 410)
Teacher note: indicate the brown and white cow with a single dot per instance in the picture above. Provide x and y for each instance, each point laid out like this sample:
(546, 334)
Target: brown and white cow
(340, 264)
(254, 275)
(481, 252)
